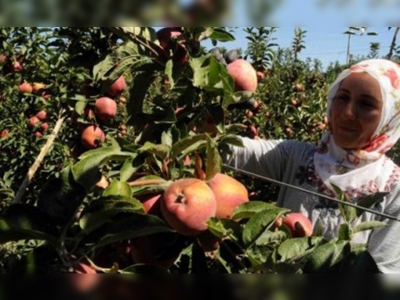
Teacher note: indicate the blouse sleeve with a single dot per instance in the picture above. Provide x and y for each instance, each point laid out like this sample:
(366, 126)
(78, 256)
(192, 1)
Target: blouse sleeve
(263, 157)
(384, 243)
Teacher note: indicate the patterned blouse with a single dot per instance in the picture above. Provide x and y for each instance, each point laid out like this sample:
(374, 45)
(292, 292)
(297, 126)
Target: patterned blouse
(291, 162)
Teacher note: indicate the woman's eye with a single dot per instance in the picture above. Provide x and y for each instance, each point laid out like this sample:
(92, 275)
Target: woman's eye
(341, 98)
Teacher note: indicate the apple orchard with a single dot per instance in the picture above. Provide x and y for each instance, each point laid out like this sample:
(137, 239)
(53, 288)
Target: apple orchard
(111, 146)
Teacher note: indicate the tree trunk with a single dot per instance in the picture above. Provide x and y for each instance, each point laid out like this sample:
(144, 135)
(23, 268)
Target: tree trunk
(393, 44)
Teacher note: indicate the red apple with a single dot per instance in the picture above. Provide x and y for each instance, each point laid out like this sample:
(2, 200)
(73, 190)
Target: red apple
(187, 205)
(151, 203)
(43, 127)
(105, 108)
(41, 115)
(117, 87)
(297, 223)
(229, 194)
(92, 136)
(25, 88)
(33, 121)
(244, 75)
(4, 133)
(260, 76)
(17, 66)
(165, 35)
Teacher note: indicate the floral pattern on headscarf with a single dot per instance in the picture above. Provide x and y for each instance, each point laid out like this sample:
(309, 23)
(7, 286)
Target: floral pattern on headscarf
(367, 170)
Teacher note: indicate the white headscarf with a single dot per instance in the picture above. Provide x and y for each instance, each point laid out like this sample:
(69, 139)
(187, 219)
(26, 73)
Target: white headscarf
(368, 170)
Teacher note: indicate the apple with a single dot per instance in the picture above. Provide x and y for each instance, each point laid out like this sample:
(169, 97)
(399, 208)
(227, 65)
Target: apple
(244, 75)
(105, 108)
(37, 86)
(43, 127)
(165, 35)
(25, 88)
(17, 66)
(92, 136)
(3, 133)
(260, 76)
(46, 96)
(33, 121)
(41, 115)
(229, 194)
(297, 223)
(298, 87)
(117, 87)
(187, 204)
(151, 203)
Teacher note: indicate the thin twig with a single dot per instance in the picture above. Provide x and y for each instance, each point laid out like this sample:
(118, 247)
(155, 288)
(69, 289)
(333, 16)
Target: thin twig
(32, 170)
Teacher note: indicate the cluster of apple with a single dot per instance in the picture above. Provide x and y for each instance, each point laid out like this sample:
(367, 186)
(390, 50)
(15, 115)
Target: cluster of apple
(38, 123)
(186, 206)
(104, 109)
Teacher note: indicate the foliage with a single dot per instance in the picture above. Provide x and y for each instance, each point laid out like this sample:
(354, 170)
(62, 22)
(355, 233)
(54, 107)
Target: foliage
(176, 119)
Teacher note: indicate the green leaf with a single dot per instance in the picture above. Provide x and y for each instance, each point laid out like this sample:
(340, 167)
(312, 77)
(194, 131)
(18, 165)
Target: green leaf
(223, 227)
(269, 237)
(130, 167)
(141, 82)
(214, 160)
(369, 225)
(86, 171)
(162, 151)
(296, 248)
(258, 223)
(345, 232)
(221, 35)
(103, 211)
(211, 75)
(325, 256)
(232, 139)
(118, 190)
(187, 145)
(348, 213)
(249, 209)
(173, 71)
(27, 222)
(80, 107)
(369, 201)
(122, 227)
(60, 197)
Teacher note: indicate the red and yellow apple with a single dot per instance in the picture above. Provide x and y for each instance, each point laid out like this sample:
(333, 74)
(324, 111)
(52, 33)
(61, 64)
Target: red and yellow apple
(244, 75)
(92, 136)
(151, 203)
(25, 88)
(187, 204)
(118, 87)
(41, 115)
(297, 223)
(229, 194)
(105, 108)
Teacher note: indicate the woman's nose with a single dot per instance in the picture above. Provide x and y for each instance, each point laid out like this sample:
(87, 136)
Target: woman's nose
(349, 111)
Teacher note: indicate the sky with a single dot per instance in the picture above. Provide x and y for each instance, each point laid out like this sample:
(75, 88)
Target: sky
(328, 44)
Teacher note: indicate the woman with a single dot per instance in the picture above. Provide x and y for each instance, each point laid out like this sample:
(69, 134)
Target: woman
(363, 113)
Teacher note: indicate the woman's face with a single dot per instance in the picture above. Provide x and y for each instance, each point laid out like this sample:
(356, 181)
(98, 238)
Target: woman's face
(356, 111)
